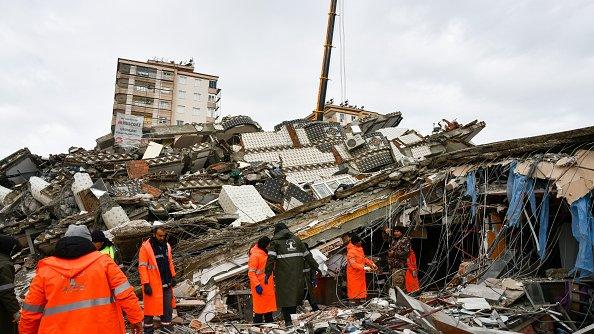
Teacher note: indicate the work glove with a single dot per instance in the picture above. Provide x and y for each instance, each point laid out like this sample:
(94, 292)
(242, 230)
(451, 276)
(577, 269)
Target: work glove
(147, 289)
(136, 328)
(16, 317)
(266, 279)
(259, 289)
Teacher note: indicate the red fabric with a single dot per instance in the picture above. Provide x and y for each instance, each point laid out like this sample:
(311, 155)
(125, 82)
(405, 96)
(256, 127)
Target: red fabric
(59, 295)
(267, 301)
(411, 279)
(149, 273)
(356, 282)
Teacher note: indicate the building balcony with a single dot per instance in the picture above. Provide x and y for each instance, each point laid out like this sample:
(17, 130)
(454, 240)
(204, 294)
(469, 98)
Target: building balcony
(212, 105)
(121, 90)
(214, 91)
(133, 76)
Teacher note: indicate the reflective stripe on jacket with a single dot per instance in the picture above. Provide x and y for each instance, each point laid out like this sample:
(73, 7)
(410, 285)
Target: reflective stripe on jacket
(149, 273)
(73, 296)
(267, 301)
(356, 281)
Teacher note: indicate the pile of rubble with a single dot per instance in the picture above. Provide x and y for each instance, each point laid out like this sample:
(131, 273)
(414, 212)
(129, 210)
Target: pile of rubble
(478, 215)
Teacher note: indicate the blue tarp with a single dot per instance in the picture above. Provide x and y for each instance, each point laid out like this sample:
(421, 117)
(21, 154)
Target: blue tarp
(582, 227)
(518, 187)
(471, 191)
(543, 219)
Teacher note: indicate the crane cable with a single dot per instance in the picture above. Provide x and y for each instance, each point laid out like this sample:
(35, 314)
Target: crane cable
(342, 53)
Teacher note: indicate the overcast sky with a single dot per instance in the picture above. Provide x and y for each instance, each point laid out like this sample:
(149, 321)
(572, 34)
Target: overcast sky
(524, 67)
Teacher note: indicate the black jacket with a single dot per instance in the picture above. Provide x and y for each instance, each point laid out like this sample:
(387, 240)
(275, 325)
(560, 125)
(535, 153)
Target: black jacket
(287, 257)
(9, 305)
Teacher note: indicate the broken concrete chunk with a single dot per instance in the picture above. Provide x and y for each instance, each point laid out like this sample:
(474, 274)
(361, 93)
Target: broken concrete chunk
(476, 290)
(114, 217)
(246, 202)
(82, 181)
(37, 185)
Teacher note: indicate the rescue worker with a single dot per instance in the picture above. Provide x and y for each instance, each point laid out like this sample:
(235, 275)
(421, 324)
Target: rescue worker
(79, 290)
(263, 295)
(286, 259)
(397, 256)
(157, 276)
(105, 246)
(9, 305)
(411, 279)
(357, 266)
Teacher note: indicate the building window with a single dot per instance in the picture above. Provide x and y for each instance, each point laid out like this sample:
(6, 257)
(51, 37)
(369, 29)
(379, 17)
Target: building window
(167, 75)
(341, 117)
(196, 111)
(141, 88)
(181, 94)
(142, 101)
(211, 112)
(162, 120)
(197, 82)
(211, 98)
(181, 108)
(212, 84)
(164, 104)
(180, 122)
(182, 80)
(353, 118)
(146, 72)
(197, 97)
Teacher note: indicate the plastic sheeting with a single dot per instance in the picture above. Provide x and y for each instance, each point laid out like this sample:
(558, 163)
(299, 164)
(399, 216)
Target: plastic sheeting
(471, 191)
(582, 227)
(543, 218)
(518, 188)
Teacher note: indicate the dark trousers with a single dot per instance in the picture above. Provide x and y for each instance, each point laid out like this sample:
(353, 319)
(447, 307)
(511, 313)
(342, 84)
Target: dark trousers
(263, 318)
(166, 317)
(287, 311)
(312, 301)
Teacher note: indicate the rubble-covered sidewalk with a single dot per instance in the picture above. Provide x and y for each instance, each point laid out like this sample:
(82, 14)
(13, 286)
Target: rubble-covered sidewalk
(503, 232)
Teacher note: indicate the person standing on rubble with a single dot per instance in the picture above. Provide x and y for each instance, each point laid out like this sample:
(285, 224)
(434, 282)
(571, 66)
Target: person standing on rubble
(357, 266)
(9, 305)
(157, 276)
(105, 246)
(79, 290)
(398, 257)
(287, 255)
(263, 295)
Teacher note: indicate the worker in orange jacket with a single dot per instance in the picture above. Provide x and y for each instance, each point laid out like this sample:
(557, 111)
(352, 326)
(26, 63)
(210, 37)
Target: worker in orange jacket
(79, 290)
(411, 279)
(357, 265)
(263, 295)
(157, 276)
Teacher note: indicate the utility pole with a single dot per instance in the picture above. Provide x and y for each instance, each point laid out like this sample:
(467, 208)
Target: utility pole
(326, 62)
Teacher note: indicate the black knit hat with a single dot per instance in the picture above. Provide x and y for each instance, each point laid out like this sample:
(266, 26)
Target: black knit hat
(99, 236)
(279, 227)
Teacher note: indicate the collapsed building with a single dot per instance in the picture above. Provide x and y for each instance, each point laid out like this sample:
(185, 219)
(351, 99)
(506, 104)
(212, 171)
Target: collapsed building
(503, 232)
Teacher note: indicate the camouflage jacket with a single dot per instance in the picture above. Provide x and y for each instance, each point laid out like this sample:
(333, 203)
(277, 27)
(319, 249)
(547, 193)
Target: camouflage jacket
(398, 253)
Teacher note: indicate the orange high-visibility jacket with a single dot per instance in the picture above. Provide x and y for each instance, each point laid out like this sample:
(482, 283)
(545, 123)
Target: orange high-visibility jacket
(149, 273)
(82, 295)
(356, 282)
(257, 263)
(411, 279)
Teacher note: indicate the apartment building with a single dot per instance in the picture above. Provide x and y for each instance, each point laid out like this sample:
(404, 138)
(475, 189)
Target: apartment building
(165, 93)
